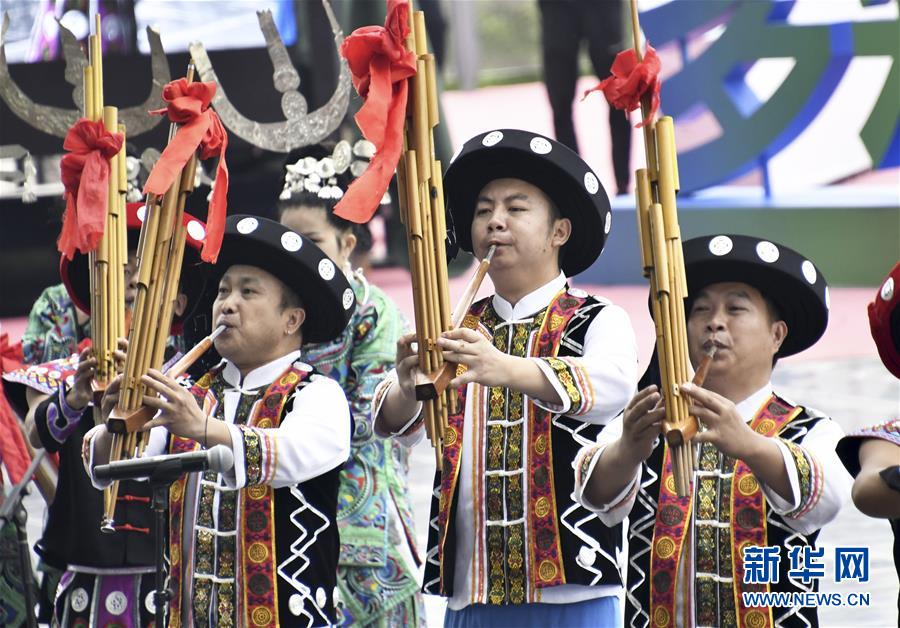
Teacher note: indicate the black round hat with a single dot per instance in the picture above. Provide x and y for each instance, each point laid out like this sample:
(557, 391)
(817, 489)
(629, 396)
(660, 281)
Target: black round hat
(544, 163)
(326, 294)
(793, 283)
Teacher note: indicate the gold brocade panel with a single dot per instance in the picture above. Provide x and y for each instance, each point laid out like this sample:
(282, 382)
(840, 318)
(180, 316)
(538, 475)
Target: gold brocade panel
(214, 539)
(504, 478)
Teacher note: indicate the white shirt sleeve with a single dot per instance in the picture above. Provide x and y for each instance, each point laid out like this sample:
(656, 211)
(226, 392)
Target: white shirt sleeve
(412, 431)
(819, 492)
(313, 437)
(618, 508)
(596, 386)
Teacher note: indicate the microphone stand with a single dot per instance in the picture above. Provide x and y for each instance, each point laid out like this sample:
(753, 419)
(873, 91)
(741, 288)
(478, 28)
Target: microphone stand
(160, 482)
(13, 511)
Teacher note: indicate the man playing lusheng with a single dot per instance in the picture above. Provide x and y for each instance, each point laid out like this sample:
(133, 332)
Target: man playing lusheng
(258, 545)
(768, 474)
(546, 366)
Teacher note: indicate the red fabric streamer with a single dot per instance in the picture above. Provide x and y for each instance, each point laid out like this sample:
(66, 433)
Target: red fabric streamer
(188, 106)
(85, 174)
(13, 451)
(380, 65)
(630, 81)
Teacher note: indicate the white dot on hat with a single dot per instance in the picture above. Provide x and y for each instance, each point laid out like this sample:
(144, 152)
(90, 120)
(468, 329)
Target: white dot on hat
(767, 251)
(247, 225)
(827, 299)
(591, 184)
(196, 230)
(809, 271)
(607, 225)
(721, 245)
(326, 269)
(492, 138)
(347, 299)
(887, 290)
(291, 241)
(541, 145)
(142, 212)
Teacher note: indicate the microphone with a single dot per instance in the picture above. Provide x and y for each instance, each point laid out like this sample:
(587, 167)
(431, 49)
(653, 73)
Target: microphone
(219, 458)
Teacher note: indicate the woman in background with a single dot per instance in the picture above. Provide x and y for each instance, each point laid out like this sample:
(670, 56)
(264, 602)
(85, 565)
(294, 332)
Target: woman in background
(378, 560)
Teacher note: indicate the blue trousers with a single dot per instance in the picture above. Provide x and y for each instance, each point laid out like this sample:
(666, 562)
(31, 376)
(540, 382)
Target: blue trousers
(601, 612)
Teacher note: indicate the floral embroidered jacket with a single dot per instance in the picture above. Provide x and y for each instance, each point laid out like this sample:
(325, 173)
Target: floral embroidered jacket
(373, 499)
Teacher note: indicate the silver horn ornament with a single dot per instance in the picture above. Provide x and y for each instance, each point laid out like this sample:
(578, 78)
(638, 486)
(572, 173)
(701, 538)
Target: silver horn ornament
(299, 128)
(57, 120)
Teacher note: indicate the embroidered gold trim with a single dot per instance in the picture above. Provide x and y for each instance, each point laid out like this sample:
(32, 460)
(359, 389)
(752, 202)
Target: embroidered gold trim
(547, 571)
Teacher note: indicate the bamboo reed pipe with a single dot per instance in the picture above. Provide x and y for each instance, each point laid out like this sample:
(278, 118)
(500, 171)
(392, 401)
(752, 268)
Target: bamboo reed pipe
(421, 202)
(88, 92)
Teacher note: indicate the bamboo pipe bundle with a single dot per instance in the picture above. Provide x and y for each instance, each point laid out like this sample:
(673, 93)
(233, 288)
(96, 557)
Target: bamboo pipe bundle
(107, 263)
(421, 200)
(159, 258)
(663, 263)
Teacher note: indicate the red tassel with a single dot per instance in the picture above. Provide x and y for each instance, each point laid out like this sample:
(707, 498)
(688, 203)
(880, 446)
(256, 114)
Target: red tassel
(380, 65)
(630, 81)
(188, 105)
(85, 175)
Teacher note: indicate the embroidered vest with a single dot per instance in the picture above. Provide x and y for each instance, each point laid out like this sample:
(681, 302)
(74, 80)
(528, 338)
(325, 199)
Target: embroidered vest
(257, 590)
(748, 527)
(546, 553)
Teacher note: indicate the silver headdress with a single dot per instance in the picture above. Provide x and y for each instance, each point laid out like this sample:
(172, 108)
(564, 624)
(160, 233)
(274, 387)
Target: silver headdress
(321, 176)
(299, 127)
(56, 120)
(137, 169)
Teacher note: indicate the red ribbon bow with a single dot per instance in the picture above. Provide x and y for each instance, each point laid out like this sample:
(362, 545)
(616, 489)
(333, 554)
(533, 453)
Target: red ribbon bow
(380, 65)
(85, 174)
(188, 105)
(13, 451)
(631, 79)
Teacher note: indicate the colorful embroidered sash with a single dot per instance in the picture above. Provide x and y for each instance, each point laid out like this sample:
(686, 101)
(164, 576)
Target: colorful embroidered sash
(748, 517)
(257, 508)
(178, 445)
(453, 448)
(748, 513)
(546, 558)
(546, 552)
